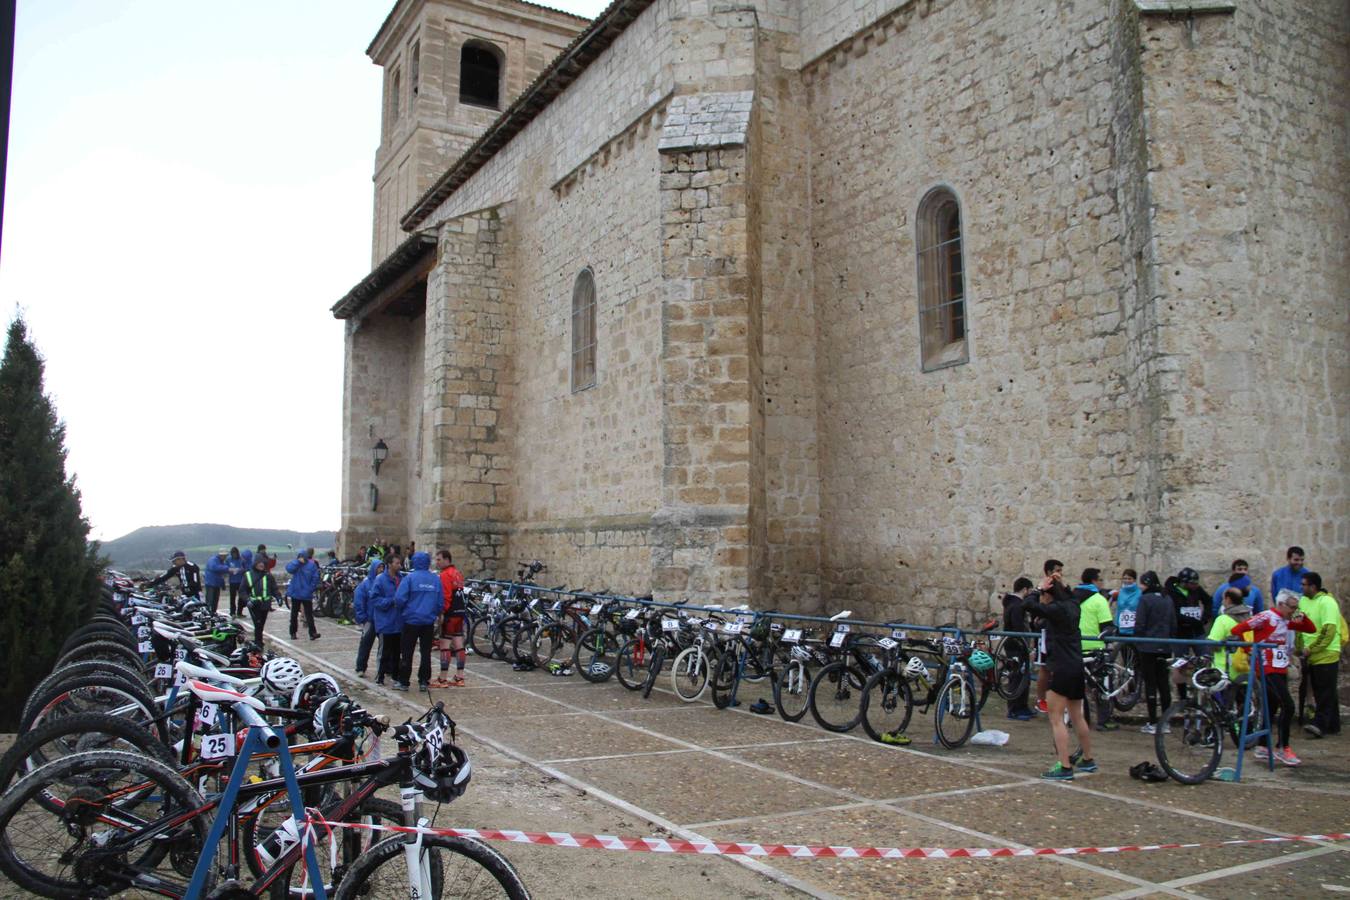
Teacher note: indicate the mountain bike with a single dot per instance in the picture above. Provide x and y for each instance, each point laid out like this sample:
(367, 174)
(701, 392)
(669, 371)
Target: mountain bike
(1191, 745)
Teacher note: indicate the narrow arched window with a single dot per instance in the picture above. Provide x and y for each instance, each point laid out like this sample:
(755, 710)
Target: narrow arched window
(583, 331)
(480, 74)
(942, 281)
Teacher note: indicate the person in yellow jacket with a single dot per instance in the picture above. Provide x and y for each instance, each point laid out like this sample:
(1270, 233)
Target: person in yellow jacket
(1322, 650)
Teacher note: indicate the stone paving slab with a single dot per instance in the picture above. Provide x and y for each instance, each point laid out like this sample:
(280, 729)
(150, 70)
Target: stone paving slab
(709, 727)
(869, 770)
(696, 787)
(1298, 878)
(497, 703)
(1047, 815)
(567, 737)
(606, 697)
(911, 877)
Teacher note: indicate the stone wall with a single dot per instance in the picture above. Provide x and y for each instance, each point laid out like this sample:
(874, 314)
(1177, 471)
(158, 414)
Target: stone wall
(939, 488)
(1250, 187)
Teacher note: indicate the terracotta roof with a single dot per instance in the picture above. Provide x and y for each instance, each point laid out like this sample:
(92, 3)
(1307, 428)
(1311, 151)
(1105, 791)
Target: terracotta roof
(569, 64)
(403, 260)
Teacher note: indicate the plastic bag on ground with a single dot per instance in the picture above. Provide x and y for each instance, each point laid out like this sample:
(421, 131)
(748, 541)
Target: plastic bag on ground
(991, 738)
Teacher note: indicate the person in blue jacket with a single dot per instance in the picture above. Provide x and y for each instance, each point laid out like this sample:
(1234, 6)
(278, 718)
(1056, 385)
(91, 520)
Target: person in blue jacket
(420, 600)
(217, 570)
(384, 613)
(237, 568)
(304, 572)
(361, 609)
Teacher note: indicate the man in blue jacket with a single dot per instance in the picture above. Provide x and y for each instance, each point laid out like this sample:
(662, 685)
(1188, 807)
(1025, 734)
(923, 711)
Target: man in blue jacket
(384, 612)
(364, 618)
(304, 572)
(217, 570)
(420, 601)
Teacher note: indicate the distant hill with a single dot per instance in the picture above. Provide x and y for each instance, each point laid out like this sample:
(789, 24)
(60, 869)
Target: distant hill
(149, 548)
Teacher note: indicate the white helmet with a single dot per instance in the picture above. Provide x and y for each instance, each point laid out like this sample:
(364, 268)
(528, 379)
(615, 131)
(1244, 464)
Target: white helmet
(281, 675)
(915, 667)
(312, 689)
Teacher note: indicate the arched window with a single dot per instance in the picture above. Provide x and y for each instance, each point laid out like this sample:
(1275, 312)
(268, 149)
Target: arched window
(942, 281)
(583, 331)
(480, 74)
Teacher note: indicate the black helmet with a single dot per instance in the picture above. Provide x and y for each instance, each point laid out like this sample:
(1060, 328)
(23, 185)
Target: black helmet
(1149, 580)
(1188, 576)
(445, 778)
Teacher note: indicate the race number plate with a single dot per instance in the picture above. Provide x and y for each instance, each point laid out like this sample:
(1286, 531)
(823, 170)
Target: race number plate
(207, 714)
(595, 609)
(899, 634)
(632, 614)
(435, 740)
(887, 643)
(837, 639)
(218, 746)
(670, 624)
(732, 628)
(792, 635)
(145, 647)
(163, 670)
(138, 620)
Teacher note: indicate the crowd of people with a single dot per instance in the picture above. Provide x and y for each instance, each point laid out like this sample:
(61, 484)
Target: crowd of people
(1304, 622)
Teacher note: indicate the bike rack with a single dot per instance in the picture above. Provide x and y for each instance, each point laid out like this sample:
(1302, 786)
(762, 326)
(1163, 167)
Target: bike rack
(262, 739)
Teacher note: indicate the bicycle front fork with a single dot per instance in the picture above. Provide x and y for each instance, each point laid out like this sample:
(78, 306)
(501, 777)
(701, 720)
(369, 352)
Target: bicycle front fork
(418, 863)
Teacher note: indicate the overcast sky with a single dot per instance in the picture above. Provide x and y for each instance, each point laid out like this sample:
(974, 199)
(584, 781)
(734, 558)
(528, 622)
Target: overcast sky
(189, 191)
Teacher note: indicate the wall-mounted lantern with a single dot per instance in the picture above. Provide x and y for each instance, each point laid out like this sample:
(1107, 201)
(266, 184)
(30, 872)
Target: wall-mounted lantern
(381, 453)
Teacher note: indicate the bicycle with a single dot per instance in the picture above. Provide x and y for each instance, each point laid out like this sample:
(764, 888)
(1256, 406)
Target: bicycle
(1190, 746)
(127, 822)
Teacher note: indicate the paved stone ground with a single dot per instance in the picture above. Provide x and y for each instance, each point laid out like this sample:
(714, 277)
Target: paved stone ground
(559, 754)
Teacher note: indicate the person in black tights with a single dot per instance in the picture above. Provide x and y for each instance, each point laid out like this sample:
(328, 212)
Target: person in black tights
(1156, 618)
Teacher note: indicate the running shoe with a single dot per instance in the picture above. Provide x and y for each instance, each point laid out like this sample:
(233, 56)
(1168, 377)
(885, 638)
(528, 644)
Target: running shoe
(1288, 757)
(1058, 772)
(1150, 728)
(1085, 765)
(457, 681)
(1025, 715)
(895, 739)
(1043, 706)
(441, 682)
(1313, 730)
(1109, 726)
(1261, 753)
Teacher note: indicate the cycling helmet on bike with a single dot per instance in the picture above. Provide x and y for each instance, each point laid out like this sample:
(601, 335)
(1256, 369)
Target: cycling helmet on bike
(447, 777)
(1210, 679)
(281, 675)
(311, 690)
(981, 661)
(915, 667)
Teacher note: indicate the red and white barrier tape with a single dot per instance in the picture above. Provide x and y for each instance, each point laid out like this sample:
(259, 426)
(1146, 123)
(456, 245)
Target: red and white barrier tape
(801, 851)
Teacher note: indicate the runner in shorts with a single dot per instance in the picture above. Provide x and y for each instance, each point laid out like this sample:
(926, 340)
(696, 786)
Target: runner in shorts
(1059, 614)
(451, 638)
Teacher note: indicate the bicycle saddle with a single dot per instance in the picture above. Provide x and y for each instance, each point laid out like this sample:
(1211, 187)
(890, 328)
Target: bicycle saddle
(209, 693)
(201, 672)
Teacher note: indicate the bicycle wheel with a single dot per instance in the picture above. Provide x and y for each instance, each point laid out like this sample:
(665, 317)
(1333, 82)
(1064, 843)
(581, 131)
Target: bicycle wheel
(836, 696)
(88, 848)
(956, 705)
(654, 669)
(78, 734)
(1190, 743)
(504, 637)
(111, 671)
(630, 665)
(86, 634)
(522, 642)
(1133, 688)
(476, 871)
(1014, 669)
(689, 674)
(344, 844)
(887, 704)
(792, 690)
(93, 693)
(552, 643)
(110, 650)
(479, 641)
(595, 655)
(724, 676)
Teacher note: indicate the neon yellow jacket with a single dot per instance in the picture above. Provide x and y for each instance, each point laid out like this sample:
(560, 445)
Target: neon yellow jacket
(1324, 646)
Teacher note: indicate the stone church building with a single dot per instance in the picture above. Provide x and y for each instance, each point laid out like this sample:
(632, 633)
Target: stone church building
(856, 303)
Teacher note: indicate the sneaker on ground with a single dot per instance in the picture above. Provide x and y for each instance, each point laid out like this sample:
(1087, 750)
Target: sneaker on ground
(1109, 726)
(1313, 730)
(1289, 757)
(457, 681)
(398, 686)
(1261, 753)
(1085, 765)
(1150, 728)
(895, 738)
(1057, 772)
(1043, 706)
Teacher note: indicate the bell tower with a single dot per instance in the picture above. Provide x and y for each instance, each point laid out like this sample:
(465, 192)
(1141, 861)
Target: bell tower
(450, 68)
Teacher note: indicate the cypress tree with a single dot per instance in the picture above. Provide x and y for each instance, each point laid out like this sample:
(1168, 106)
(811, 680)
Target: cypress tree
(49, 571)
